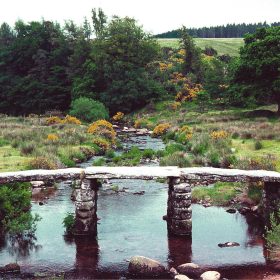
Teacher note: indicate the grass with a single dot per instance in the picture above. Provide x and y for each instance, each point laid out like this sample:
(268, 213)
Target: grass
(245, 148)
(11, 159)
(25, 143)
(246, 132)
(222, 45)
(219, 194)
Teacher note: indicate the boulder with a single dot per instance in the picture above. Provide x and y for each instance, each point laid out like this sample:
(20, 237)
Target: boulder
(191, 269)
(10, 268)
(231, 210)
(228, 244)
(173, 272)
(145, 267)
(210, 275)
(37, 184)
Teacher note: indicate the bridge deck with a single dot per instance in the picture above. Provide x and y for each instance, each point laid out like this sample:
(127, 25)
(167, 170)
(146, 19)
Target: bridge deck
(142, 172)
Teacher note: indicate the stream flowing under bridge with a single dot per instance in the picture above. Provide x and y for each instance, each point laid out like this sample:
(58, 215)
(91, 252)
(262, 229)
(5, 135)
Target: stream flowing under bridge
(180, 182)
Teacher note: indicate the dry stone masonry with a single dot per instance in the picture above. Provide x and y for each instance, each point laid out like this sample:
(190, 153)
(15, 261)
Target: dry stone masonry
(86, 207)
(179, 211)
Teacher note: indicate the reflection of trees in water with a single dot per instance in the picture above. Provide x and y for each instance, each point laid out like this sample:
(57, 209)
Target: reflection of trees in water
(180, 250)
(255, 230)
(20, 245)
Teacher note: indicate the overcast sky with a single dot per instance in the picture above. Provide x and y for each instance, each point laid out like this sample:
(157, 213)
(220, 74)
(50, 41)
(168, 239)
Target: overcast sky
(155, 15)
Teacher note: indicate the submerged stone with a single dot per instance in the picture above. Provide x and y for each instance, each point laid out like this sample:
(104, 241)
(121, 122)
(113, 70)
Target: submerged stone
(145, 267)
(190, 269)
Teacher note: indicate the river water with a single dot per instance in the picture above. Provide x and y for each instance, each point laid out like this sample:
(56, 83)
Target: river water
(132, 224)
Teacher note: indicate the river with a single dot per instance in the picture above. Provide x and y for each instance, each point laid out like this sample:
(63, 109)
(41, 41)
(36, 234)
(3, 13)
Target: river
(132, 224)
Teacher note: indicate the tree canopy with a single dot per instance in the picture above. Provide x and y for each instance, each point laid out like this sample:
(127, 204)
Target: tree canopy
(258, 69)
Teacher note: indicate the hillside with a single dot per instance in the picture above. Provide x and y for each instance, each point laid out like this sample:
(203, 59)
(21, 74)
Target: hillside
(222, 45)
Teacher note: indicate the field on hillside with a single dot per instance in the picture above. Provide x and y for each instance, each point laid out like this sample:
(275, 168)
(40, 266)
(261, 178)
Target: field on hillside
(222, 45)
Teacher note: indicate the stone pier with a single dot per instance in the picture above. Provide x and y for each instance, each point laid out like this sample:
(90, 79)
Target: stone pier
(179, 212)
(86, 207)
(271, 199)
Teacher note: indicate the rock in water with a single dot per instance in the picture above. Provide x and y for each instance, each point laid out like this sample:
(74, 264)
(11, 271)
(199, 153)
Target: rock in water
(228, 244)
(190, 269)
(231, 210)
(210, 275)
(145, 267)
(181, 277)
(10, 268)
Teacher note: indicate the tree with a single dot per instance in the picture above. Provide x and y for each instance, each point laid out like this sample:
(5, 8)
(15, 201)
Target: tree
(259, 66)
(116, 73)
(88, 109)
(192, 63)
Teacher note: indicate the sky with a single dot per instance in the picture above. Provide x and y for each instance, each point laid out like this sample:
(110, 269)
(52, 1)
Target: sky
(156, 16)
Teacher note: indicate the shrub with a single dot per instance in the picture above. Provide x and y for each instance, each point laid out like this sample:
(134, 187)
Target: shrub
(69, 223)
(53, 120)
(148, 153)
(258, 145)
(15, 201)
(52, 137)
(99, 162)
(176, 159)
(235, 135)
(161, 129)
(118, 116)
(41, 163)
(88, 109)
(71, 120)
(185, 134)
(175, 147)
(255, 191)
(27, 148)
(267, 162)
(102, 128)
(3, 142)
(200, 144)
(219, 134)
(102, 143)
(273, 234)
(110, 154)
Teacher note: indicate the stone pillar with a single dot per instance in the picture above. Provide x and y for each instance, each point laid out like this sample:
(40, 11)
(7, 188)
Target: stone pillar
(86, 207)
(271, 199)
(179, 212)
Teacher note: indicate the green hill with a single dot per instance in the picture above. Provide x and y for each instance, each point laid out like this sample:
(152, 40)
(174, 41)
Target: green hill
(222, 45)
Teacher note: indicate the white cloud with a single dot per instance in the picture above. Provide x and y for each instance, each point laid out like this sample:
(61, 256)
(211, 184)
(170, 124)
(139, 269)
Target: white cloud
(155, 15)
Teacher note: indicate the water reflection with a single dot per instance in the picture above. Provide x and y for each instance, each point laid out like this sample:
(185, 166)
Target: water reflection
(19, 245)
(179, 250)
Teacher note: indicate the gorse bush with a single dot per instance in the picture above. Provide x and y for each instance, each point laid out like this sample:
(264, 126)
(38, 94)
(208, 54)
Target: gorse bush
(88, 110)
(103, 128)
(118, 116)
(161, 129)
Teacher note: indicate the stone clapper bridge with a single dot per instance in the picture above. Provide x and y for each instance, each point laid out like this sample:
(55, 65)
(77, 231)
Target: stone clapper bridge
(180, 182)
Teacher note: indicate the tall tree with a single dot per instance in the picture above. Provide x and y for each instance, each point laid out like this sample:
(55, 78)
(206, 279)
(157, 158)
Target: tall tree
(192, 62)
(259, 65)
